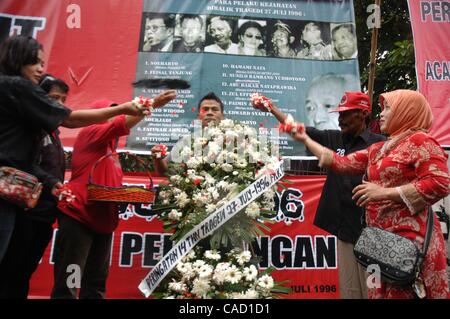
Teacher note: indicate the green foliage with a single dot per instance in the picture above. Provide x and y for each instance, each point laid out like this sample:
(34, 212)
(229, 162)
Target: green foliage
(395, 66)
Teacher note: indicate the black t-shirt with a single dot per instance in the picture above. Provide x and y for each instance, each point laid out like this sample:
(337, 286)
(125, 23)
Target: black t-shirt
(337, 213)
(51, 162)
(26, 113)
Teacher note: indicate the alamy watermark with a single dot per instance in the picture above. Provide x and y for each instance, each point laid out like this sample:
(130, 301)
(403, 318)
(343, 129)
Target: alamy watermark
(74, 279)
(374, 278)
(374, 19)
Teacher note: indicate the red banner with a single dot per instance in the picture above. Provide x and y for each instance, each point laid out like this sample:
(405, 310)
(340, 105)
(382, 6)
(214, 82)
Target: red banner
(91, 45)
(430, 24)
(302, 253)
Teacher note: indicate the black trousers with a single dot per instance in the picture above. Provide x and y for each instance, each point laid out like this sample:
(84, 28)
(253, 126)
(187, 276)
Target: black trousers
(27, 245)
(79, 251)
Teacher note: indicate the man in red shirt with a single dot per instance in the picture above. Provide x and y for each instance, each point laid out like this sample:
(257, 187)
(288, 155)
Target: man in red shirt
(85, 227)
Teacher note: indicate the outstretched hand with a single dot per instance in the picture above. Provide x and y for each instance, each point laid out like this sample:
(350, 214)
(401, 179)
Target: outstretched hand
(164, 97)
(299, 133)
(261, 102)
(159, 151)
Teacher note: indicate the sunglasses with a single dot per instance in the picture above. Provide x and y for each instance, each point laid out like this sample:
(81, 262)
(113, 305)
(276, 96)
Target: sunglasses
(249, 36)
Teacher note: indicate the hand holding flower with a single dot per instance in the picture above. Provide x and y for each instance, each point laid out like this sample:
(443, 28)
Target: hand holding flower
(261, 102)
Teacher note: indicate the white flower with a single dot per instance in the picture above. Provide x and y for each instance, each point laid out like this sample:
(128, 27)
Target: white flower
(232, 187)
(231, 157)
(227, 167)
(198, 264)
(265, 282)
(191, 173)
(236, 295)
(233, 275)
(220, 273)
(176, 191)
(230, 135)
(193, 162)
(223, 185)
(210, 208)
(254, 157)
(212, 254)
(249, 131)
(241, 163)
(213, 192)
(213, 149)
(164, 194)
(243, 257)
(227, 123)
(175, 178)
(251, 294)
(205, 271)
(199, 198)
(182, 199)
(213, 132)
(177, 286)
(201, 287)
(186, 152)
(200, 142)
(175, 215)
(189, 256)
(269, 194)
(209, 179)
(185, 269)
(250, 273)
(252, 210)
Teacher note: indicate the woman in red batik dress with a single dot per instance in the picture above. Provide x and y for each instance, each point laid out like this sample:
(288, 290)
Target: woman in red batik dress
(405, 175)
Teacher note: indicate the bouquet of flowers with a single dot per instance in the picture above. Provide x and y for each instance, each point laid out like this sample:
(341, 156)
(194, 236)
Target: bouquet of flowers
(212, 275)
(231, 157)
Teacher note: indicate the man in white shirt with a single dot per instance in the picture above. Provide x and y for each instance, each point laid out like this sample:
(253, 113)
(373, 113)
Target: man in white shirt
(221, 31)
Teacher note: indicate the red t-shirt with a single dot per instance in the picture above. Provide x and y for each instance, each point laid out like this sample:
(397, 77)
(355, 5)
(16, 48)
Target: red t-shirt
(91, 144)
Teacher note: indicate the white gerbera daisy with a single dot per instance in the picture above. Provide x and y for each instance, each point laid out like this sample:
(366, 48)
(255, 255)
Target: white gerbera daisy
(201, 287)
(250, 273)
(265, 282)
(233, 275)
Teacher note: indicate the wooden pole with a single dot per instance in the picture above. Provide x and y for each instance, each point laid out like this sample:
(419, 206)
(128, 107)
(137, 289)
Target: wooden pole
(373, 56)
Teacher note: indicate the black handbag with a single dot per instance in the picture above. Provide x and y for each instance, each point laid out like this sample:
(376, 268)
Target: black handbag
(399, 259)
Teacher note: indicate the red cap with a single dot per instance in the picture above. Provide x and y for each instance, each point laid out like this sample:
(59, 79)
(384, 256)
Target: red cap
(100, 104)
(353, 101)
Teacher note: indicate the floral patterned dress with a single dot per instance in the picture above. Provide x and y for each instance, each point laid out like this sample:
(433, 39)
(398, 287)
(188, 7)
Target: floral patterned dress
(416, 165)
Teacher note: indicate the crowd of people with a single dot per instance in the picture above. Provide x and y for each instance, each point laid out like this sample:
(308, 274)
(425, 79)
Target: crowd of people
(386, 181)
(31, 110)
(395, 180)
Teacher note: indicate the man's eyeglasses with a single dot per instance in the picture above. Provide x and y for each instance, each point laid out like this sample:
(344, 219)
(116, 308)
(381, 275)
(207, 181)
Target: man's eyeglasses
(155, 28)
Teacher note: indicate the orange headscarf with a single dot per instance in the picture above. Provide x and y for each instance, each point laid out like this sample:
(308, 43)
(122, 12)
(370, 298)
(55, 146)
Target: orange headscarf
(410, 110)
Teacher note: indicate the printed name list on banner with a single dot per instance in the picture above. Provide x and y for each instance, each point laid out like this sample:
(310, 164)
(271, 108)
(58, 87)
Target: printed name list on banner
(290, 51)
